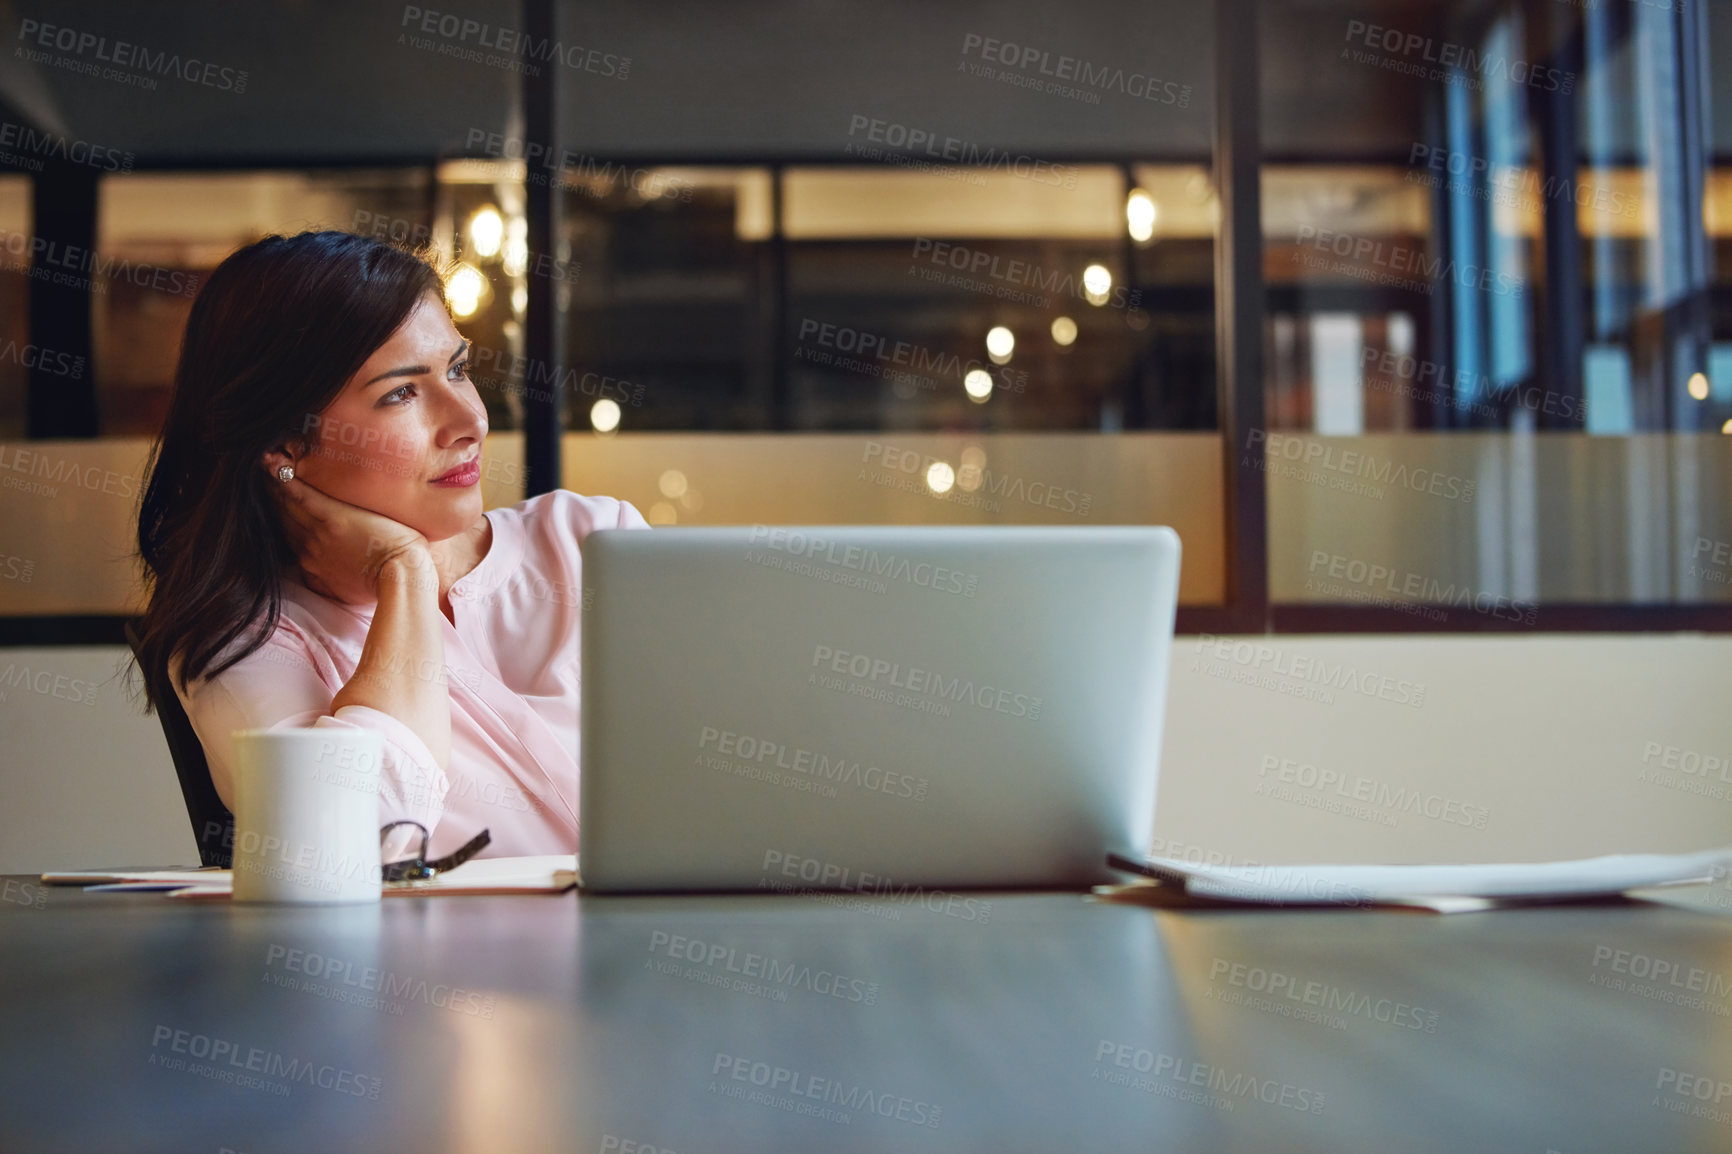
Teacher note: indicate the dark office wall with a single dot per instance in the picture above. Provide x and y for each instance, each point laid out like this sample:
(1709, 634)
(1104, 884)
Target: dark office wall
(786, 77)
(344, 81)
(316, 80)
(338, 80)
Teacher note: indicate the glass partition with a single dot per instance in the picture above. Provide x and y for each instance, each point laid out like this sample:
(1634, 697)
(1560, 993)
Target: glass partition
(938, 268)
(906, 275)
(1492, 380)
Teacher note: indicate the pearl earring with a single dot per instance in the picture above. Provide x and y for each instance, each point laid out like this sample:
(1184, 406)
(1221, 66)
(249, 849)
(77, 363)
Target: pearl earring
(286, 474)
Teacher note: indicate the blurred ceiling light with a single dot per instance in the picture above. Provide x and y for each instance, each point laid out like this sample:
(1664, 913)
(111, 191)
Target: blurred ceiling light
(940, 477)
(1699, 386)
(1727, 427)
(978, 384)
(1140, 215)
(486, 230)
(974, 457)
(520, 299)
(1097, 284)
(1000, 343)
(662, 513)
(1064, 330)
(672, 483)
(604, 415)
(516, 246)
(464, 288)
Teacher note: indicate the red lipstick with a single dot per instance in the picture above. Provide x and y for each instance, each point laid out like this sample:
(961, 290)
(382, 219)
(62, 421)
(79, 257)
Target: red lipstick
(462, 476)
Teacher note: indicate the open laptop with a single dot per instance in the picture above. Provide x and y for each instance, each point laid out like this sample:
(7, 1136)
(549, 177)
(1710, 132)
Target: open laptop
(871, 708)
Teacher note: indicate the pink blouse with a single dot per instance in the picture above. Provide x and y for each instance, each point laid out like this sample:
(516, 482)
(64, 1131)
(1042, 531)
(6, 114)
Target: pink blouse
(511, 661)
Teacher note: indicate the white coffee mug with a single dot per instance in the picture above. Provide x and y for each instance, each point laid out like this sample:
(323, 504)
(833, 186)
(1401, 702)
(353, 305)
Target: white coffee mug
(307, 815)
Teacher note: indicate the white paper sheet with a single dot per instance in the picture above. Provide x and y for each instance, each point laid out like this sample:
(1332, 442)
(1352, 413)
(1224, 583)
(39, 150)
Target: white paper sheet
(543, 873)
(89, 877)
(1417, 884)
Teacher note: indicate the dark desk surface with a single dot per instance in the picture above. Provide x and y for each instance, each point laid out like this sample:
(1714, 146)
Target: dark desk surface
(1046, 1022)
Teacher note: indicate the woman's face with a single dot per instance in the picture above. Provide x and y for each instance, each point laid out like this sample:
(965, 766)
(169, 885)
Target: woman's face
(404, 436)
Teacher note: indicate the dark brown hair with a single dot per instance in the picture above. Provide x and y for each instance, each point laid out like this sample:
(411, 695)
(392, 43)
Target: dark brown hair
(277, 331)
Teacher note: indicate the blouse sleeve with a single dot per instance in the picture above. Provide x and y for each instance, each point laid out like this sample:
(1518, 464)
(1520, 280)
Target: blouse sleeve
(571, 517)
(280, 687)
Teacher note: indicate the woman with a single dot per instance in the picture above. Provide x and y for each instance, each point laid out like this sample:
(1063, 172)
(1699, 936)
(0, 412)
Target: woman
(317, 555)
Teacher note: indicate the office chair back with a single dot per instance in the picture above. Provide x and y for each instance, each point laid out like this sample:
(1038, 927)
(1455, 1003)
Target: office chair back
(213, 826)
